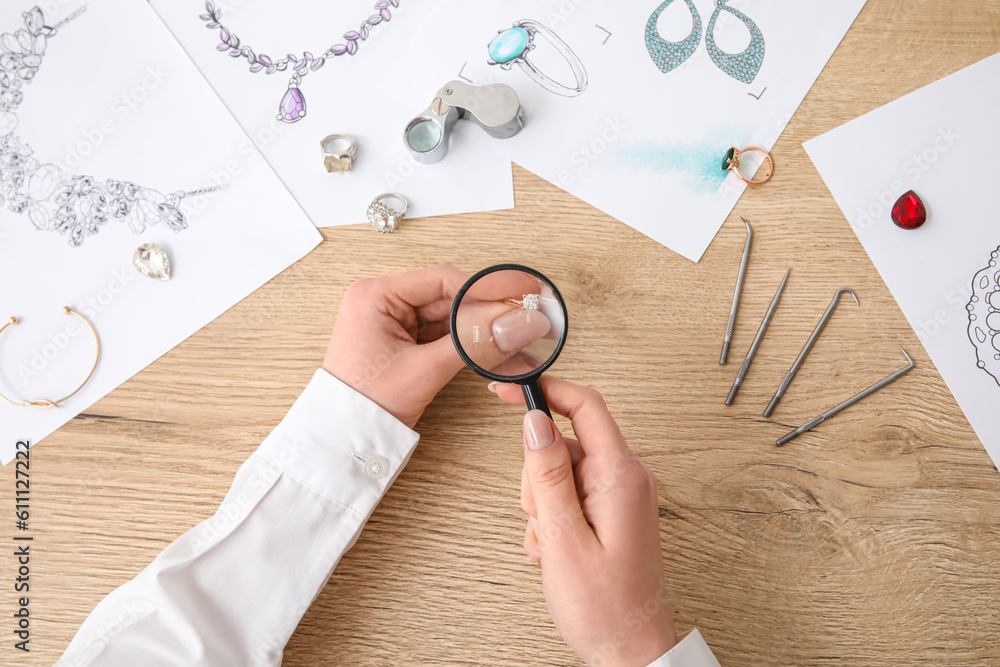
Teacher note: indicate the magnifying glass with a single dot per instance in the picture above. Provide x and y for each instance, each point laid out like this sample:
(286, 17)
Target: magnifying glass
(509, 324)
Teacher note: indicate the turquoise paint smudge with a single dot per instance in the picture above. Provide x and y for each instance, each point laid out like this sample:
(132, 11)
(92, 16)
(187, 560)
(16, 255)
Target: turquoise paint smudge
(701, 163)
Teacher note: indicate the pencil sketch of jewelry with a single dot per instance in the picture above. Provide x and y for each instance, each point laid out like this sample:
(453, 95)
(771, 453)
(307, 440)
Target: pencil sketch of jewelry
(512, 45)
(76, 206)
(293, 104)
(670, 55)
(667, 56)
(984, 317)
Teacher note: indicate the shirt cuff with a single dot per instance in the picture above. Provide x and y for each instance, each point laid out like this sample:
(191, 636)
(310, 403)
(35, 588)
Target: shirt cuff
(690, 651)
(332, 428)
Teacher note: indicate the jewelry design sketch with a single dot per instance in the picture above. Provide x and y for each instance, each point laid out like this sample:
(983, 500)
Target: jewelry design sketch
(667, 56)
(44, 402)
(984, 317)
(293, 105)
(670, 55)
(75, 206)
(512, 45)
(742, 66)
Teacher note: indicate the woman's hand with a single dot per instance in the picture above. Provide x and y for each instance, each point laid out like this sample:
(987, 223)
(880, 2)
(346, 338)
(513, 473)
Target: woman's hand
(593, 526)
(391, 340)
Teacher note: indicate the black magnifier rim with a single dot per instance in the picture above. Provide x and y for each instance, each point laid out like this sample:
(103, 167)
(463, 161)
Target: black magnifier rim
(514, 379)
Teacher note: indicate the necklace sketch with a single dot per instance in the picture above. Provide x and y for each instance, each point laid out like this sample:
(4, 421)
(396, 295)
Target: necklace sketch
(984, 317)
(293, 105)
(75, 206)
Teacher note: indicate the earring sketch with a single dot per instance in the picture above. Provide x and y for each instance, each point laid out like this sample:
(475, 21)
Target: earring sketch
(44, 402)
(741, 66)
(670, 55)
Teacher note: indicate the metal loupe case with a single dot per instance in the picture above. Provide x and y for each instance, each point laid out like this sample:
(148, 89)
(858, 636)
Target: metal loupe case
(494, 107)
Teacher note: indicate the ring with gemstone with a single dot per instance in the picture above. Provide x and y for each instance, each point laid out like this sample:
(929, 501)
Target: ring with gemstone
(512, 45)
(527, 302)
(732, 163)
(383, 217)
(339, 152)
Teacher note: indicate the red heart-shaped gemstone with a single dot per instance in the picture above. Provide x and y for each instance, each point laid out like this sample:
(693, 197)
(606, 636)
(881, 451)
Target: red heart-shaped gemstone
(908, 212)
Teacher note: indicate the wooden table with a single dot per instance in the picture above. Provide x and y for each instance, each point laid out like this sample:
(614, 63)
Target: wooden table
(873, 540)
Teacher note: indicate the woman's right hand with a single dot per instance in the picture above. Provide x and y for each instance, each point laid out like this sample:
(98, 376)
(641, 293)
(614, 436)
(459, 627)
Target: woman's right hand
(593, 526)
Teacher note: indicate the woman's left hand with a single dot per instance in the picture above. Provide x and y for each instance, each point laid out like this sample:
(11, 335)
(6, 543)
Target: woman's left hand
(391, 341)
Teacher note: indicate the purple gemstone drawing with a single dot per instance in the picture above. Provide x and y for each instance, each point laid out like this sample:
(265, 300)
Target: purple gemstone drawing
(75, 206)
(293, 105)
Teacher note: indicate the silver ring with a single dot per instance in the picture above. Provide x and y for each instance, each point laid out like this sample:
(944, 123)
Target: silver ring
(512, 45)
(339, 152)
(384, 218)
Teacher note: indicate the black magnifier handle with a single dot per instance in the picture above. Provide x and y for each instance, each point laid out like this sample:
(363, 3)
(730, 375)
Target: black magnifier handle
(534, 398)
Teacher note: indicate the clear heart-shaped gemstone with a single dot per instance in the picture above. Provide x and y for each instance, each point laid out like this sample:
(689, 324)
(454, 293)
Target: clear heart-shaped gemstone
(150, 260)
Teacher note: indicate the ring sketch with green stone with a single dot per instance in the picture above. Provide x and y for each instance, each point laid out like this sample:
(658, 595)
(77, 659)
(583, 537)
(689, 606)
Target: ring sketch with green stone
(512, 46)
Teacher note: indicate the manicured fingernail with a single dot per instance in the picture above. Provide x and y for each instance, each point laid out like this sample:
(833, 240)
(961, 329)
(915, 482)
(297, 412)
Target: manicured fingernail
(539, 430)
(516, 329)
(492, 386)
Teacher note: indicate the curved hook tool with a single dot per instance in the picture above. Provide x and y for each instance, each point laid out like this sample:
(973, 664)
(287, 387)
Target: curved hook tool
(805, 350)
(848, 403)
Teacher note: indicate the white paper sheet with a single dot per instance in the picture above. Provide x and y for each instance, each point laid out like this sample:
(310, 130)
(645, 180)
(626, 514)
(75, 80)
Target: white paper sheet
(342, 97)
(115, 97)
(644, 146)
(938, 142)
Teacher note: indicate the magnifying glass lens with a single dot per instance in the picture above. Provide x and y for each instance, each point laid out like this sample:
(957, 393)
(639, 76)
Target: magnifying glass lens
(509, 324)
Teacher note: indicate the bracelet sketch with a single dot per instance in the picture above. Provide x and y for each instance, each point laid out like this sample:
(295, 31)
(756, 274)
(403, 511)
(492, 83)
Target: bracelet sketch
(293, 105)
(75, 206)
(984, 317)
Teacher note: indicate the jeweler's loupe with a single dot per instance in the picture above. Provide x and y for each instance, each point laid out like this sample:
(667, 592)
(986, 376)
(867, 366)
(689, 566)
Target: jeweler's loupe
(509, 324)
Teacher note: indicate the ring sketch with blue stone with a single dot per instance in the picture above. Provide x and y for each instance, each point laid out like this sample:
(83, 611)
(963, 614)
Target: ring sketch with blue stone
(984, 317)
(512, 46)
(667, 56)
(75, 206)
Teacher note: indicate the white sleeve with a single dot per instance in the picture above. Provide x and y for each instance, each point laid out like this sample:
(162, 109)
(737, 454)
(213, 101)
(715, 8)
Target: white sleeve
(690, 651)
(232, 590)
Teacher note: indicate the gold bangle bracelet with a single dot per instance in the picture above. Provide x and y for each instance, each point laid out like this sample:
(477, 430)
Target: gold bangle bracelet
(44, 402)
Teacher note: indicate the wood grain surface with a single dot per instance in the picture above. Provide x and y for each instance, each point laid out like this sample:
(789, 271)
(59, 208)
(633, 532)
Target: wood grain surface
(873, 540)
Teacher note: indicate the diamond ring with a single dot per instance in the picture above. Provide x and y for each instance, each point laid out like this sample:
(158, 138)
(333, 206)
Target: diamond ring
(527, 302)
(512, 45)
(383, 218)
(339, 152)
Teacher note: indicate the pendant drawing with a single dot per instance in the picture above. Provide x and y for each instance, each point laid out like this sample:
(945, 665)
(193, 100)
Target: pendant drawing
(292, 107)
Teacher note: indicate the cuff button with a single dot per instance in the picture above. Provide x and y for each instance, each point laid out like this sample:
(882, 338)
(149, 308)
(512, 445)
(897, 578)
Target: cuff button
(376, 467)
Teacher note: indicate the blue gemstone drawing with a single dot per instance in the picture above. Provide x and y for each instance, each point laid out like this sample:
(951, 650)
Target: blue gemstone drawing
(670, 55)
(512, 46)
(509, 44)
(667, 56)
